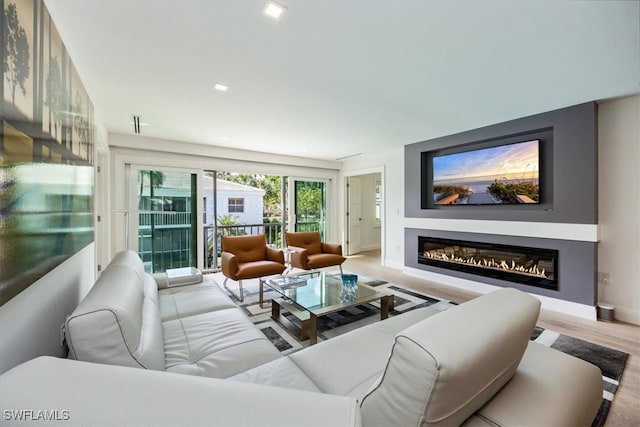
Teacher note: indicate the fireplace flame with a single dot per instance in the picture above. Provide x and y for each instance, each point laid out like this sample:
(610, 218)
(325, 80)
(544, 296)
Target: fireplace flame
(489, 263)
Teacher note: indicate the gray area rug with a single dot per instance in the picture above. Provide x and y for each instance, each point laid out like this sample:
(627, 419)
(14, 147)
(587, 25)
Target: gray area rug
(610, 361)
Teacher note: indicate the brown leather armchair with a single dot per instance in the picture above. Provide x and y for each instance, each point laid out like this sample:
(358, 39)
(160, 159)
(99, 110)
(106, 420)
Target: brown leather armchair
(248, 257)
(309, 253)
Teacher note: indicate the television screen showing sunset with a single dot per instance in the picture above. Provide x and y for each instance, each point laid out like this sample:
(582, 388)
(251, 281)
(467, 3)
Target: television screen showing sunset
(506, 174)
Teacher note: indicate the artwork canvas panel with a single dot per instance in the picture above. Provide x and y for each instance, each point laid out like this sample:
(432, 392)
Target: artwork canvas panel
(46, 152)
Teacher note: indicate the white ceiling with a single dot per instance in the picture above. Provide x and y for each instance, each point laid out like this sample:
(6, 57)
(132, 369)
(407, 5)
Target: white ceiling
(336, 78)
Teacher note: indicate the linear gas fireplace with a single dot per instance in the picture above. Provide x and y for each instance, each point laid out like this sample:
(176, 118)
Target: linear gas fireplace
(529, 266)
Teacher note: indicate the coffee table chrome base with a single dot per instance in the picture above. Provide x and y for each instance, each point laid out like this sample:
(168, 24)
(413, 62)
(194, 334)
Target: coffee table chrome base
(309, 321)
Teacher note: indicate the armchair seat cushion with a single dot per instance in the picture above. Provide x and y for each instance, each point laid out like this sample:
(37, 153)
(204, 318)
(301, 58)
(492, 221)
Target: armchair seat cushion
(324, 260)
(258, 269)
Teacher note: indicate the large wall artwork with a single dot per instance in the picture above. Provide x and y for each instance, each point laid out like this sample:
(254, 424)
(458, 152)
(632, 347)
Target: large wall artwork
(46, 149)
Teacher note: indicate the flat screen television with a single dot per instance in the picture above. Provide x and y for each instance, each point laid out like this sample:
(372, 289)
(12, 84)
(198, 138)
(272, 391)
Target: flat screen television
(505, 174)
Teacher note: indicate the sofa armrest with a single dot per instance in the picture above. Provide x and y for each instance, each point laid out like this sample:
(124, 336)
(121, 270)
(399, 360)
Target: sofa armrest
(299, 257)
(274, 254)
(80, 394)
(229, 264)
(332, 248)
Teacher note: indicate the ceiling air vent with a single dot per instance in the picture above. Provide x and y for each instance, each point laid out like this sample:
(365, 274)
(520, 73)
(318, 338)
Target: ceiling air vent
(136, 124)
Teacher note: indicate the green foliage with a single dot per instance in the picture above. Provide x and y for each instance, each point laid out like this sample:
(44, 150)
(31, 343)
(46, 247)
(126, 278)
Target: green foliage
(225, 220)
(445, 191)
(309, 200)
(231, 220)
(508, 192)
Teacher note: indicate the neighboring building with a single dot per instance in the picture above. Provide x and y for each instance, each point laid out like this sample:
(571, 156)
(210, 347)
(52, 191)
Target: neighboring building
(242, 201)
(174, 195)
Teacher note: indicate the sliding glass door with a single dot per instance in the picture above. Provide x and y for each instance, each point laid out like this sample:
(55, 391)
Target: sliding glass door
(176, 217)
(166, 219)
(239, 204)
(308, 205)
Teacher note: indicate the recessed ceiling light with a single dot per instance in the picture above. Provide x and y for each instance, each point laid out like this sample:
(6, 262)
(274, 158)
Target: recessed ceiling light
(224, 138)
(273, 10)
(221, 87)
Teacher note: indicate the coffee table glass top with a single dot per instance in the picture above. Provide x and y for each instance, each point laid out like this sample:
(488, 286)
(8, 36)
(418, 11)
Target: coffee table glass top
(321, 293)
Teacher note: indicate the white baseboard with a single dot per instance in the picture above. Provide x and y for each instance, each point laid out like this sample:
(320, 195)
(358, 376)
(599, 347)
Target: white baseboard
(554, 304)
(372, 247)
(393, 264)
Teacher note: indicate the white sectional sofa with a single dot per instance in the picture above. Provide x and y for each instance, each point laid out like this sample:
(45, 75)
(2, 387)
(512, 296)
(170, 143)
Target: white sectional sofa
(471, 365)
(195, 329)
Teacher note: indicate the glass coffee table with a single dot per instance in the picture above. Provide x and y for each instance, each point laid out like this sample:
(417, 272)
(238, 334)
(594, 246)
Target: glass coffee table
(310, 295)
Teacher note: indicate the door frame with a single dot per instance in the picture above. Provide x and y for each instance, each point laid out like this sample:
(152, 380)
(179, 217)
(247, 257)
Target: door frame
(345, 203)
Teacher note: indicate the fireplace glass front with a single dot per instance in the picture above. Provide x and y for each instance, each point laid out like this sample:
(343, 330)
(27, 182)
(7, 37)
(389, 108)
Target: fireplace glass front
(529, 266)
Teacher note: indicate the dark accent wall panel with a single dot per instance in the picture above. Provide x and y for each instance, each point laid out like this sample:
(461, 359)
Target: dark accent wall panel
(570, 168)
(577, 263)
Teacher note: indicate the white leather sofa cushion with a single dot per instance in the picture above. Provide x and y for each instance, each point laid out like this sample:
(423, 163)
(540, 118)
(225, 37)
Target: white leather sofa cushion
(185, 301)
(280, 373)
(99, 395)
(361, 355)
(444, 368)
(548, 375)
(216, 344)
(116, 324)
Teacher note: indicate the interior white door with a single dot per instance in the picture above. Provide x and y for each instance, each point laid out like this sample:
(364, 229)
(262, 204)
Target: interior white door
(354, 214)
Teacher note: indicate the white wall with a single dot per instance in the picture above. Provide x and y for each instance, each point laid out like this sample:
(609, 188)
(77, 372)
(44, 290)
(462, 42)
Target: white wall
(619, 205)
(30, 322)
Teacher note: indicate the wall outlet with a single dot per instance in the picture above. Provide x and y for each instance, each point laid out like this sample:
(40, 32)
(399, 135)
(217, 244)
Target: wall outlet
(604, 279)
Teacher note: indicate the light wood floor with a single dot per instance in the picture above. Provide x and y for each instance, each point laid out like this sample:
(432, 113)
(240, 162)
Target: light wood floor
(625, 411)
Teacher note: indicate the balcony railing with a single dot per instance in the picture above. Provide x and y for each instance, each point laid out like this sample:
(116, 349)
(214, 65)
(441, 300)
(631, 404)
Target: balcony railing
(164, 218)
